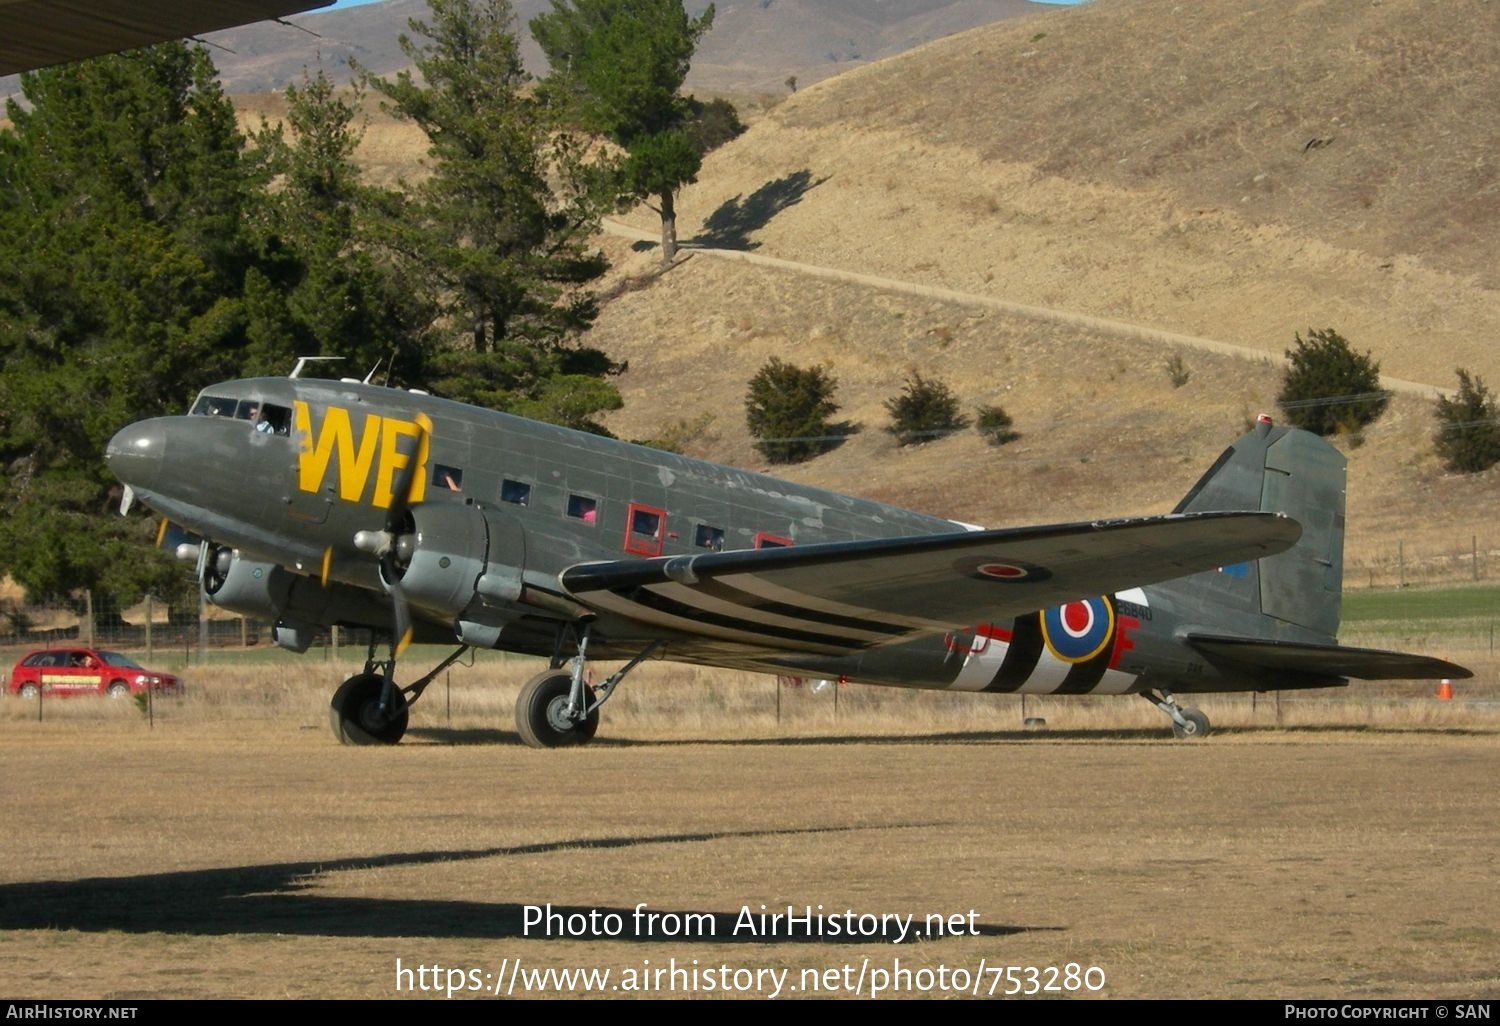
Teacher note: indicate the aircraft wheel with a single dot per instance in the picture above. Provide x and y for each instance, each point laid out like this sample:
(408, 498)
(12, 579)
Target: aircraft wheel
(1197, 724)
(541, 712)
(356, 717)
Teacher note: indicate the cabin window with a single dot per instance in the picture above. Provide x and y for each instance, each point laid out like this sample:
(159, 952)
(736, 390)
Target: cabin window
(709, 537)
(771, 541)
(644, 535)
(448, 479)
(517, 493)
(581, 507)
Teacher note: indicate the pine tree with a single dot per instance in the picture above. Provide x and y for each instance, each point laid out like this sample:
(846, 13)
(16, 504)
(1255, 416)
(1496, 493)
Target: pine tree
(618, 66)
(787, 409)
(340, 301)
(123, 193)
(1468, 435)
(1328, 387)
(500, 233)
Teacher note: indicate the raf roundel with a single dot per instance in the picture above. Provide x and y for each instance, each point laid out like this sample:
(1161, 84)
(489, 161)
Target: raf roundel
(1079, 631)
(1007, 571)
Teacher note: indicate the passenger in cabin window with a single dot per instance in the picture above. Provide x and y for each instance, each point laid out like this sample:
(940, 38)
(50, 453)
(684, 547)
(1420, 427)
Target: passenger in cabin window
(590, 515)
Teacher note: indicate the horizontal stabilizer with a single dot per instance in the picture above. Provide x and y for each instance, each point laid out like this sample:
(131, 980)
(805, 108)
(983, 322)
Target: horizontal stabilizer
(1327, 660)
(840, 597)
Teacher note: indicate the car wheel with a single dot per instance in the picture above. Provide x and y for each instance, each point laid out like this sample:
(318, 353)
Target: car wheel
(118, 689)
(29, 691)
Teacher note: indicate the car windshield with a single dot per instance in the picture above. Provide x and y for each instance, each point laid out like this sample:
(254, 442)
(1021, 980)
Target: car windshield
(116, 659)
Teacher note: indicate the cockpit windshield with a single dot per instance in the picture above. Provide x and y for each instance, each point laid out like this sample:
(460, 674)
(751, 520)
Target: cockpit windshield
(264, 417)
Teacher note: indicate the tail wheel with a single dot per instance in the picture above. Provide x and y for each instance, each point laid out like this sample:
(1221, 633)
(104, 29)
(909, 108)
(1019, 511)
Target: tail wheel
(541, 712)
(356, 716)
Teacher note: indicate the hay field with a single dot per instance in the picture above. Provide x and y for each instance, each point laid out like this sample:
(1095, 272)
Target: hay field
(233, 850)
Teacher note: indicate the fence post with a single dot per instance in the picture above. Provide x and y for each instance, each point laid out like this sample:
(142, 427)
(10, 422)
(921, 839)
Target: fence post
(88, 617)
(202, 628)
(150, 615)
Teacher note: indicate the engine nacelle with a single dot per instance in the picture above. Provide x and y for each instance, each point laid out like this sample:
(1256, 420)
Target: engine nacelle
(448, 547)
(464, 566)
(244, 586)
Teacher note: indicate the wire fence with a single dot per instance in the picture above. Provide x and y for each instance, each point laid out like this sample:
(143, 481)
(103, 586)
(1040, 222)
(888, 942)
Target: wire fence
(178, 631)
(1450, 562)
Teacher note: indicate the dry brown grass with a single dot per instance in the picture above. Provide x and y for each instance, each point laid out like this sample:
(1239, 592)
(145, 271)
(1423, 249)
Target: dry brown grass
(674, 702)
(236, 851)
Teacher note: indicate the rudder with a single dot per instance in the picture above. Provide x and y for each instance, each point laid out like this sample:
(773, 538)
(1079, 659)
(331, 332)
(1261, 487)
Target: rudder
(1279, 470)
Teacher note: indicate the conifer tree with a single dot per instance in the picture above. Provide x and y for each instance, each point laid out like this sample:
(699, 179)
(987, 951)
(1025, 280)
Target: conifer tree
(123, 191)
(500, 234)
(618, 67)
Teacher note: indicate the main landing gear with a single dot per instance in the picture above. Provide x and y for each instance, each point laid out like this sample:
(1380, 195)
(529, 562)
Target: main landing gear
(558, 708)
(1186, 722)
(369, 708)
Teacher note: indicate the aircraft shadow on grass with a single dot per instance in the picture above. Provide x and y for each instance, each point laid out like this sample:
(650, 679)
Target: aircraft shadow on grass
(275, 899)
(457, 737)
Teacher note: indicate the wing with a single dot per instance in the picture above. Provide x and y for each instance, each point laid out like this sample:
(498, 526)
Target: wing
(38, 33)
(841, 597)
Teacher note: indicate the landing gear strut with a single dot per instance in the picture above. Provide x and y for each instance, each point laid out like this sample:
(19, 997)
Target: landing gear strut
(558, 708)
(1186, 722)
(369, 709)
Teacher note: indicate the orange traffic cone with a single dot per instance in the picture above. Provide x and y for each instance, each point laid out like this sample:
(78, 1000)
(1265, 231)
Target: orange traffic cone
(1445, 690)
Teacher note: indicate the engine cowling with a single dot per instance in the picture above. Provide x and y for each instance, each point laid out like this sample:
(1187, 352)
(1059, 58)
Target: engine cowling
(461, 563)
(244, 586)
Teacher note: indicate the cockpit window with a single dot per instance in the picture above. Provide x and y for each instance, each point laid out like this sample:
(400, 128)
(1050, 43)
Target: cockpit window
(213, 406)
(265, 417)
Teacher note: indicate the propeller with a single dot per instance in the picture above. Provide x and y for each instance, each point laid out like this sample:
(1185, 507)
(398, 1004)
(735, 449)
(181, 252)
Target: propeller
(393, 545)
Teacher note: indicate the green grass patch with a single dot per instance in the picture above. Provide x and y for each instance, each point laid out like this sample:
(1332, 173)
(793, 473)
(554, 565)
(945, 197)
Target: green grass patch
(1466, 604)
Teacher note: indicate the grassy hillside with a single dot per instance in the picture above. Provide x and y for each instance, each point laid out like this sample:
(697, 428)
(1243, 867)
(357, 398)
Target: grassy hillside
(1236, 175)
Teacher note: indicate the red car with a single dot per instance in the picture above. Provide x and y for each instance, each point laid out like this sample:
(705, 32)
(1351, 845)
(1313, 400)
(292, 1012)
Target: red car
(86, 671)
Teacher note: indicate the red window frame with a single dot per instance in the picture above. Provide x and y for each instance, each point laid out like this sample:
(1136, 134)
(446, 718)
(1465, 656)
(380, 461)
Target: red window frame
(640, 544)
(765, 540)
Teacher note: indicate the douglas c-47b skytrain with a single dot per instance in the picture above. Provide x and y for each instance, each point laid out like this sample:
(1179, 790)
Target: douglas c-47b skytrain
(339, 502)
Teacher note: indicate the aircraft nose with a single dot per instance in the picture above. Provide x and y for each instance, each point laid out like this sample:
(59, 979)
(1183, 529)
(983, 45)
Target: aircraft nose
(136, 453)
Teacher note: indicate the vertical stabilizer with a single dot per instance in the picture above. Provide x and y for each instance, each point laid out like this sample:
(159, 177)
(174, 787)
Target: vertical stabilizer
(1278, 470)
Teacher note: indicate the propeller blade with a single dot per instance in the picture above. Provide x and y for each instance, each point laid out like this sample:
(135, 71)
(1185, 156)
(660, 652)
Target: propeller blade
(388, 541)
(403, 628)
(401, 497)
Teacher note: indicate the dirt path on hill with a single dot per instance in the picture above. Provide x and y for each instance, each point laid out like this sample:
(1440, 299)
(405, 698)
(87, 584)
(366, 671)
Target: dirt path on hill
(1105, 325)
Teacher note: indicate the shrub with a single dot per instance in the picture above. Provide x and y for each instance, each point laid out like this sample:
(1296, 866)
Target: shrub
(924, 409)
(1468, 435)
(787, 410)
(995, 425)
(1177, 370)
(713, 123)
(1329, 388)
